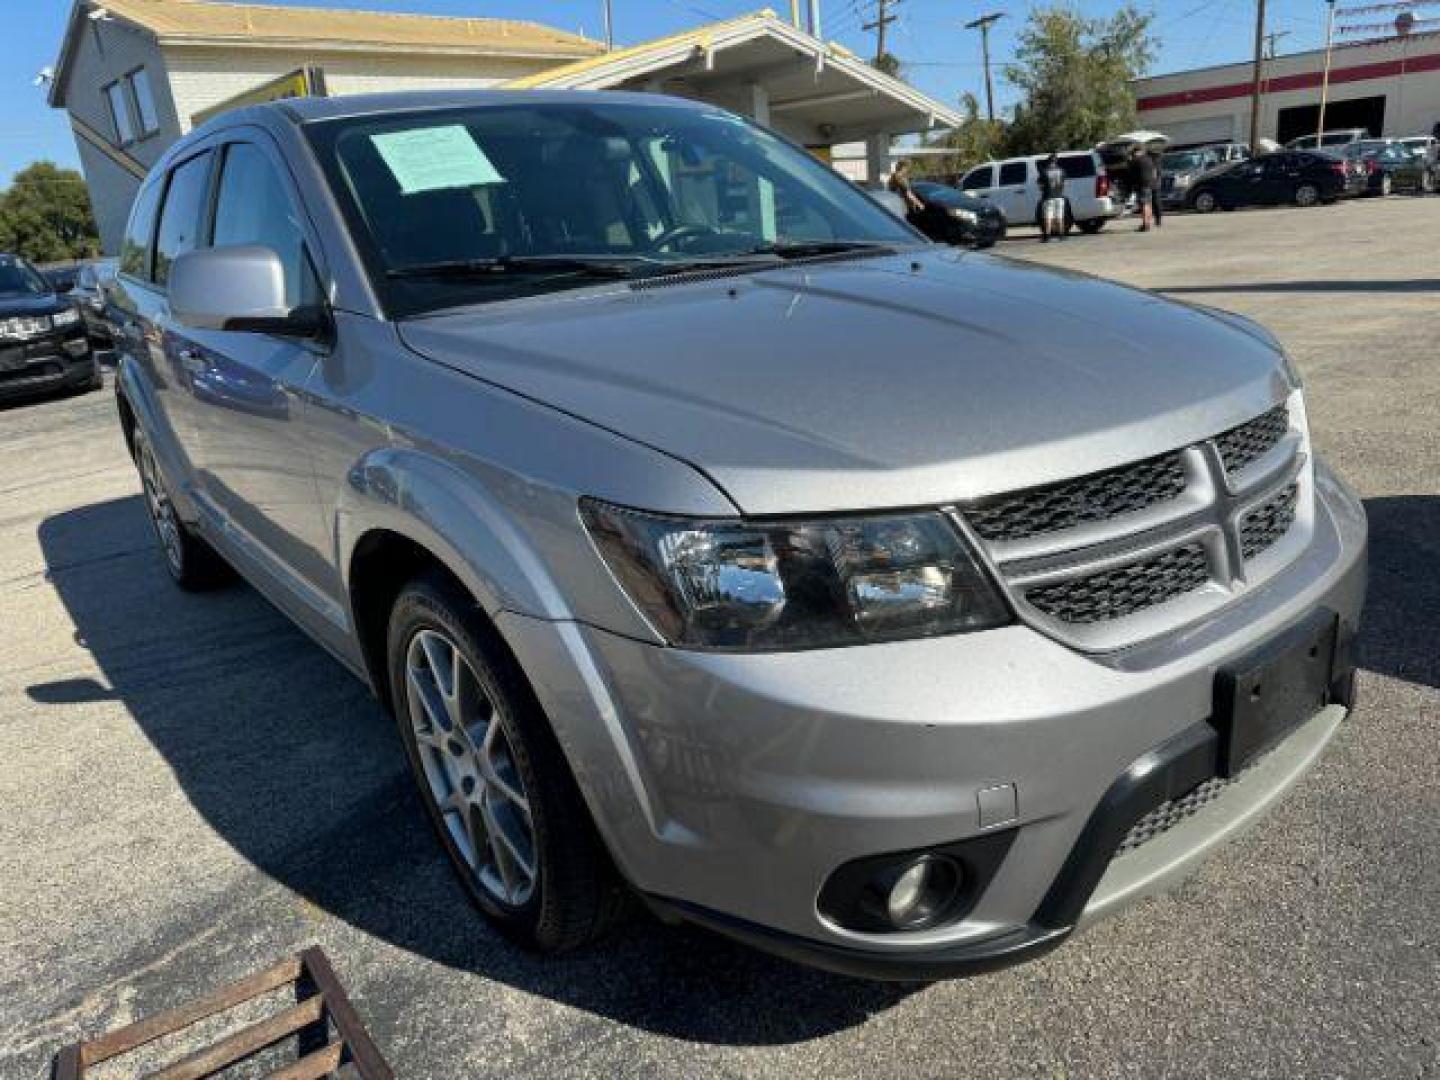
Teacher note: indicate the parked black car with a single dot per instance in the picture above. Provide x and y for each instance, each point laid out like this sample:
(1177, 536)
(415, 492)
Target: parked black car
(1304, 178)
(1391, 166)
(91, 293)
(43, 343)
(952, 217)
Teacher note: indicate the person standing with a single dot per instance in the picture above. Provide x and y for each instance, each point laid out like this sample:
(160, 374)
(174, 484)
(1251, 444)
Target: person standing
(1155, 205)
(1052, 200)
(1146, 181)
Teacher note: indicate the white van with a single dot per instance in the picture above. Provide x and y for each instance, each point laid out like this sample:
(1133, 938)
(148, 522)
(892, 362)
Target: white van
(1014, 186)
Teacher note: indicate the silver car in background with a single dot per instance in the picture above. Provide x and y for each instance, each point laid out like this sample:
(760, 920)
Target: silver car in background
(715, 539)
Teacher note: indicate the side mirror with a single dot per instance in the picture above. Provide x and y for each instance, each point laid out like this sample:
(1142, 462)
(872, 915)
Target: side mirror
(237, 288)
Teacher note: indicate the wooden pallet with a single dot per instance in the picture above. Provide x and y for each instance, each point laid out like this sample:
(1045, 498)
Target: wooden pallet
(329, 1029)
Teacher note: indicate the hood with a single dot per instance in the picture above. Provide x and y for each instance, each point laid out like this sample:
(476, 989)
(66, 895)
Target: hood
(44, 304)
(910, 380)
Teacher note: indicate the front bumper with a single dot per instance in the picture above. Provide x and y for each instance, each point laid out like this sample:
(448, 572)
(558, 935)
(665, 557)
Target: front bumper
(54, 361)
(729, 788)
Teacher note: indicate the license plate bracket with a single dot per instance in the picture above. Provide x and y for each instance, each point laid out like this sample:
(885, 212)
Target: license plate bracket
(1261, 697)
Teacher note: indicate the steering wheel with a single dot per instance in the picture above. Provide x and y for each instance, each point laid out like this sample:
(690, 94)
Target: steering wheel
(677, 233)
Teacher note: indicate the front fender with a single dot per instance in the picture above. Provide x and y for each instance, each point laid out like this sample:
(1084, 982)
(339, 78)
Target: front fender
(439, 507)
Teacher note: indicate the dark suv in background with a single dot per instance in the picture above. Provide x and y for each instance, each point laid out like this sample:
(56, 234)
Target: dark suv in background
(43, 342)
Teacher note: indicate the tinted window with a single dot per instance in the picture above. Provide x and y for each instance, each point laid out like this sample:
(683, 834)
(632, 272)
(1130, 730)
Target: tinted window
(180, 219)
(1077, 166)
(976, 179)
(1012, 172)
(253, 207)
(135, 249)
(19, 278)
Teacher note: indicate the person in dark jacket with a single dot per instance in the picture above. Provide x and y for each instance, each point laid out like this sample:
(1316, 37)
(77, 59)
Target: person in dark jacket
(1052, 200)
(1155, 205)
(1147, 180)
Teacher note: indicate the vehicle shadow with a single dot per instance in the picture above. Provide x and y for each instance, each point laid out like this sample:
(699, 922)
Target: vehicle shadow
(291, 761)
(1398, 285)
(1400, 634)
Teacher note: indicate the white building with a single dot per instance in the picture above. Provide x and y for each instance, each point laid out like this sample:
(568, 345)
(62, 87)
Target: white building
(1391, 87)
(135, 75)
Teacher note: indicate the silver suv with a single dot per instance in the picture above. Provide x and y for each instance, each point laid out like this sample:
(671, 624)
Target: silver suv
(715, 539)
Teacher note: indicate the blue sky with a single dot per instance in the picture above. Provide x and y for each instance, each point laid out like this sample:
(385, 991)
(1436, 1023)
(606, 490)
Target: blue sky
(941, 58)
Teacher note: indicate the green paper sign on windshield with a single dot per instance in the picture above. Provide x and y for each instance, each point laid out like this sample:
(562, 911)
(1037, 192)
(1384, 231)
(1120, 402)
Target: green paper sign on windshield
(432, 159)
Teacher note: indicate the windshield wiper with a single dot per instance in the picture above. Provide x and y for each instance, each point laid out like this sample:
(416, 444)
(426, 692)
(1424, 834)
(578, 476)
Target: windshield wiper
(603, 266)
(800, 249)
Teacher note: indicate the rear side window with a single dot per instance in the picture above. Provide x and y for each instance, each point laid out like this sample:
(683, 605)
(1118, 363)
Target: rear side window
(135, 248)
(253, 207)
(180, 220)
(1077, 166)
(1012, 172)
(976, 179)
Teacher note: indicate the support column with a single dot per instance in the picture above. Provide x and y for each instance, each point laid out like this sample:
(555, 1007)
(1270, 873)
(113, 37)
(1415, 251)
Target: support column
(759, 104)
(877, 157)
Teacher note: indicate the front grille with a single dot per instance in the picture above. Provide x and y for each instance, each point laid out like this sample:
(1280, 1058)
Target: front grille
(1099, 497)
(1169, 814)
(1267, 523)
(1242, 446)
(1125, 590)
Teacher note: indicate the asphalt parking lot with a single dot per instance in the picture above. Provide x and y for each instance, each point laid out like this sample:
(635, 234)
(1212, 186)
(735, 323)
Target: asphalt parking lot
(190, 790)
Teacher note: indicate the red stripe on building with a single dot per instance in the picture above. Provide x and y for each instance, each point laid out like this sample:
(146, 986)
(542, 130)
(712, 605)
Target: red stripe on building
(1304, 81)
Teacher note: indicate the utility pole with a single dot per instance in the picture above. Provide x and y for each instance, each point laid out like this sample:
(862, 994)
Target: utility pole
(609, 29)
(1270, 40)
(1258, 76)
(1325, 79)
(983, 24)
(883, 18)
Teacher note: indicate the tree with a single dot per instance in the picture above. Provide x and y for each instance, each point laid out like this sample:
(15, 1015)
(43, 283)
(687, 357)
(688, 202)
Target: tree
(45, 215)
(887, 62)
(1074, 77)
(974, 141)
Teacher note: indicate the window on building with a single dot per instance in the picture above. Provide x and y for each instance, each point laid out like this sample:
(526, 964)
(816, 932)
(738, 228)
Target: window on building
(253, 207)
(139, 83)
(120, 113)
(135, 250)
(180, 219)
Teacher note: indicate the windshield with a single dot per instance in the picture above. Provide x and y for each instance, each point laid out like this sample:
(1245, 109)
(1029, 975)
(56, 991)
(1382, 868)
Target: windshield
(1188, 160)
(18, 278)
(475, 204)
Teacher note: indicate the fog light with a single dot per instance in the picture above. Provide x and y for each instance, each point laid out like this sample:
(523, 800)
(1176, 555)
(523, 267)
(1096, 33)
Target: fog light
(77, 347)
(921, 892)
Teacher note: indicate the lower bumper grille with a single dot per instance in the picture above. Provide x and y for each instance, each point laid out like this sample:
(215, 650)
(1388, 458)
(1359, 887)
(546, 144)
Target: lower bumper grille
(1169, 814)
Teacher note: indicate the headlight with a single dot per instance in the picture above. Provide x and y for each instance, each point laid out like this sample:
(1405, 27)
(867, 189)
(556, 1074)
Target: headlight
(970, 217)
(68, 317)
(763, 586)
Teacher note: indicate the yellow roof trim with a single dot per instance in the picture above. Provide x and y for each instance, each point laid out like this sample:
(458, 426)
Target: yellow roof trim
(700, 37)
(199, 20)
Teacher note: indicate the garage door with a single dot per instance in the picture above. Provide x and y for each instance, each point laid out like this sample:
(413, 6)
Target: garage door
(1205, 130)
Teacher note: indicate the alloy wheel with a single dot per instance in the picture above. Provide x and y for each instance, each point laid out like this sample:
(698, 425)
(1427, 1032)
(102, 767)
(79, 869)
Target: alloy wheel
(162, 511)
(1205, 202)
(1306, 195)
(469, 768)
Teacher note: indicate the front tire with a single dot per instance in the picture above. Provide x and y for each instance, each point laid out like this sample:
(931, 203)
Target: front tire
(1093, 226)
(492, 775)
(1205, 202)
(193, 564)
(1307, 195)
